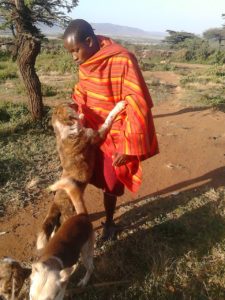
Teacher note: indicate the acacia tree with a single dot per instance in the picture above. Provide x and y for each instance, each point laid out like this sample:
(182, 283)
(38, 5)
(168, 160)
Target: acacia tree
(176, 38)
(216, 34)
(22, 18)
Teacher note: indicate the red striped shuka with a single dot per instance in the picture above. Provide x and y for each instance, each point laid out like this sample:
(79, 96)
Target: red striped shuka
(109, 76)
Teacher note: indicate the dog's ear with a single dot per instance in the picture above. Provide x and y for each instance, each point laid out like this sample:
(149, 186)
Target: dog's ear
(66, 273)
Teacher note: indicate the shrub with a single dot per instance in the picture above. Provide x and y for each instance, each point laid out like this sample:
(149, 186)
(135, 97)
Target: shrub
(60, 62)
(10, 112)
(7, 74)
(4, 55)
(8, 69)
(48, 91)
(217, 57)
(216, 100)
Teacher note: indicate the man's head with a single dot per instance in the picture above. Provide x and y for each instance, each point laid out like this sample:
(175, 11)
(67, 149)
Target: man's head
(80, 40)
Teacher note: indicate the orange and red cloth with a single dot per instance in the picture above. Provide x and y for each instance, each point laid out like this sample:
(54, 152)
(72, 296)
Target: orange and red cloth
(111, 75)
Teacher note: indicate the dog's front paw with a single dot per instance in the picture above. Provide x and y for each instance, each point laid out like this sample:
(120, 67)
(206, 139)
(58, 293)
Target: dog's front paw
(121, 105)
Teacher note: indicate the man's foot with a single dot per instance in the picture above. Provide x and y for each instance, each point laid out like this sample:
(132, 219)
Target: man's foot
(110, 231)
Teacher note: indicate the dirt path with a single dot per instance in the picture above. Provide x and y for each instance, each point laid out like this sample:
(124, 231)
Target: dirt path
(192, 154)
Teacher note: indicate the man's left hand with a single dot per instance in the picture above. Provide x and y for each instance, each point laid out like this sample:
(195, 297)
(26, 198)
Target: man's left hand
(121, 159)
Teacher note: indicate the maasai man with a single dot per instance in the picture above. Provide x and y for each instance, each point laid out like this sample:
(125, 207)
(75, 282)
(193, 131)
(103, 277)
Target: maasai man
(108, 73)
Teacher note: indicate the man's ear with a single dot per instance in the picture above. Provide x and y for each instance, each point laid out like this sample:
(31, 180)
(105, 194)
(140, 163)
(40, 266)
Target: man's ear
(89, 41)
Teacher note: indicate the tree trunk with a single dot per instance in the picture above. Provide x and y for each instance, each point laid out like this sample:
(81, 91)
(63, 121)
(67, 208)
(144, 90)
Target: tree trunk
(28, 49)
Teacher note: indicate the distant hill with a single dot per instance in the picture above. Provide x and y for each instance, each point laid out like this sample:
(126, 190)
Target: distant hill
(112, 30)
(108, 29)
(126, 31)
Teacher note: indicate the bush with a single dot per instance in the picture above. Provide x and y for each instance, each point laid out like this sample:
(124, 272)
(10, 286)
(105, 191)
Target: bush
(217, 57)
(7, 74)
(4, 116)
(4, 55)
(197, 50)
(48, 91)
(216, 100)
(10, 112)
(60, 62)
(8, 69)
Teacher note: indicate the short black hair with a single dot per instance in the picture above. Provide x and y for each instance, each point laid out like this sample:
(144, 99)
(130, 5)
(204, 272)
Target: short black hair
(78, 30)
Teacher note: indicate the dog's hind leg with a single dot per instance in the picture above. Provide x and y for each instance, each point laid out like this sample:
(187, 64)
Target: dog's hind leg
(87, 255)
(51, 222)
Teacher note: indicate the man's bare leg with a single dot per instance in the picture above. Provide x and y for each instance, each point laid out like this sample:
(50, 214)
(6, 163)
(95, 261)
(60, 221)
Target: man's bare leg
(110, 229)
(110, 206)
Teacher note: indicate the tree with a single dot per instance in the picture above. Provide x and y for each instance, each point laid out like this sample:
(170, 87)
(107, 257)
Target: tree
(216, 34)
(176, 38)
(22, 17)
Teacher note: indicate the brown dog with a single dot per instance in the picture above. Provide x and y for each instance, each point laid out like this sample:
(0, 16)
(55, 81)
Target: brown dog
(76, 147)
(58, 260)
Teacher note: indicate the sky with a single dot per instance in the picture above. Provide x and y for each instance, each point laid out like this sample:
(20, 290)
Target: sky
(194, 16)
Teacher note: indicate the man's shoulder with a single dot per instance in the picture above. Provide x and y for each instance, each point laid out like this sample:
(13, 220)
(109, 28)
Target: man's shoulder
(125, 58)
(113, 49)
(125, 53)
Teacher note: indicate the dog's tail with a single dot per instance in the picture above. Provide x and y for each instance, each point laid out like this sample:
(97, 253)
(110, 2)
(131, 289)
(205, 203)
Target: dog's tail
(73, 190)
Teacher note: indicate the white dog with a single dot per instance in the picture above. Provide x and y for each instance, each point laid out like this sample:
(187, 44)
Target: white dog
(59, 258)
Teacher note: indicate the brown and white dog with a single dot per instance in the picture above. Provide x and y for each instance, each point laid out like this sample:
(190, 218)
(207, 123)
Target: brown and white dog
(76, 147)
(59, 258)
(12, 277)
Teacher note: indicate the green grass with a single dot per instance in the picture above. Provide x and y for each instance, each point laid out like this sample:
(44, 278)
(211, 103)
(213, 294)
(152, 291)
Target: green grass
(8, 70)
(172, 248)
(60, 62)
(160, 91)
(27, 153)
(156, 64)
(205, 87)
(48, 91)
(12, 117)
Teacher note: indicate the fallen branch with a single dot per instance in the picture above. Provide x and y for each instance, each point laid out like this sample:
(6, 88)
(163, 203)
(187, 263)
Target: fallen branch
(96, 285)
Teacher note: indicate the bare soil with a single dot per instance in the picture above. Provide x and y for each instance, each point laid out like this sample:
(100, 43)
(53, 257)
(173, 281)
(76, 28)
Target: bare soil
(192, 155)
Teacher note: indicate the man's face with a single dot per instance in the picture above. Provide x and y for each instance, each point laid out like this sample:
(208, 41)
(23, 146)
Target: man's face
(81, 51)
